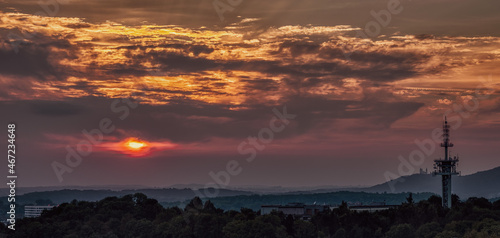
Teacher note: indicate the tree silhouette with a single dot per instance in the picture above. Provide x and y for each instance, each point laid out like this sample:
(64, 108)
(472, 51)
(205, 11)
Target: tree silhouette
(139, 216)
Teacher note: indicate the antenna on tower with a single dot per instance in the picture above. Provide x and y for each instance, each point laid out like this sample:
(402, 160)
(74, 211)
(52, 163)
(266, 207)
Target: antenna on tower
(446, 167)
(446, 138)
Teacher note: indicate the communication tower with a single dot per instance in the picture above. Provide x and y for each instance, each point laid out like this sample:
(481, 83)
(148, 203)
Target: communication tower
(446, 167)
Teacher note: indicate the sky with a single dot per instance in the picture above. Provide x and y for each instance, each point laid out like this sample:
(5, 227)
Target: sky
(239, 92)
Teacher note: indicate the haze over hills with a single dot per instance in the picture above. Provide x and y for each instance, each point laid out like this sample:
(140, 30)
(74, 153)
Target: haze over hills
(25, 190)
(474, 185)
(162, 195)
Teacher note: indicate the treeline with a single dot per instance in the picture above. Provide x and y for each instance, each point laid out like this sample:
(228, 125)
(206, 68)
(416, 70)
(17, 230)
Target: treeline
(139, 216)
(255, 201)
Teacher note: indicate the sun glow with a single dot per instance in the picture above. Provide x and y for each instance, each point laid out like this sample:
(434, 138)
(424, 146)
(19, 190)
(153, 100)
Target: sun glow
(134, 144)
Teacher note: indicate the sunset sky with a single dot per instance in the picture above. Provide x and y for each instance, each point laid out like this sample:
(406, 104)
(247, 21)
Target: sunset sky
(182, 84)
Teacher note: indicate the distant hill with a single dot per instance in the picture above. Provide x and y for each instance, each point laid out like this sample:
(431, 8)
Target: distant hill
(480, 184)
(162, 195)
(24, 190)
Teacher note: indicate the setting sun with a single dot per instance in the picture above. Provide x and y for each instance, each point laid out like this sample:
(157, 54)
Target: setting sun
(134, 144)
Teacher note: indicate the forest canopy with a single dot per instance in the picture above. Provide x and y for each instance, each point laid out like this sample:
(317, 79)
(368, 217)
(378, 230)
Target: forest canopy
(139, 216)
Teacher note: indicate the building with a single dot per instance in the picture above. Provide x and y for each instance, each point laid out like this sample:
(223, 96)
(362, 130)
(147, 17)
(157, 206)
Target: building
(305, 212)
(300, 210)
(423, 171)
(372, 207)
(35, 211)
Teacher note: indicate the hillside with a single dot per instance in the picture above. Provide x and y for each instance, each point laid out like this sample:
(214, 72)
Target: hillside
(474, 185)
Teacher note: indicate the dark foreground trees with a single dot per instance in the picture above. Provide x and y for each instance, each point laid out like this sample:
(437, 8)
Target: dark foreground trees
(138, 216)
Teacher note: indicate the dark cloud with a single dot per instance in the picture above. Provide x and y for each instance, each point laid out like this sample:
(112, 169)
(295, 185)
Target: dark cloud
(305, 83)
(186, 121)
(383, 66)
(424, 36)
(36, 56)
(175, 62)
(186, 48)
(170, 62)
(78, 25)
(261, 84)
(383, 56)
(58, 109)
(298, 48)
(29, 60)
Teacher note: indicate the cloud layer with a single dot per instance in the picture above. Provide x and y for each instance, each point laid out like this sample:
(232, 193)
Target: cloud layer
(205, 89)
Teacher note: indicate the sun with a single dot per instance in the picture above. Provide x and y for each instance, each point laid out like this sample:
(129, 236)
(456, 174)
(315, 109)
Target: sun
(135, 145)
